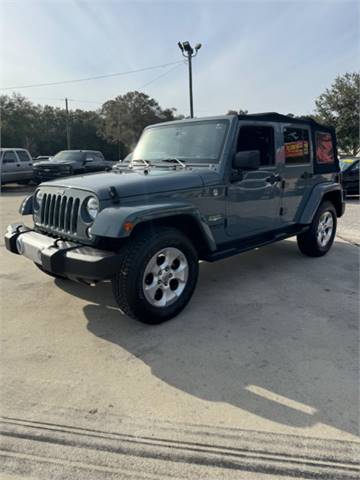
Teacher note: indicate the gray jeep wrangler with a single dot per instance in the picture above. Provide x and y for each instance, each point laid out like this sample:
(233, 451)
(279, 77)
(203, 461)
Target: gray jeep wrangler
(200, 189)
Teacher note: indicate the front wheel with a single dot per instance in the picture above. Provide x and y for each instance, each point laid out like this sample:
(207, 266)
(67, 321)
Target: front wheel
(157, 275)
(318, 240)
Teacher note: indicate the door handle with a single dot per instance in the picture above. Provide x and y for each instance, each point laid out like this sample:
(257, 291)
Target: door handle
(273, 179)
(18, 165)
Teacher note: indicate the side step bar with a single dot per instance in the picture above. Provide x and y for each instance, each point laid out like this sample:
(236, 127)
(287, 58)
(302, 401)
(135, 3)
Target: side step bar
(250, 244)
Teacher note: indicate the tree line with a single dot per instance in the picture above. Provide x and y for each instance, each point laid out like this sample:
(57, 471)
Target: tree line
(115, 127)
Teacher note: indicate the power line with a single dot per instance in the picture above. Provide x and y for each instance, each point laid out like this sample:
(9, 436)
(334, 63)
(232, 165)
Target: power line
(98, 77)
(103, 101)
(86, 101)
(138, 88)
(47, 98)
(160, 76)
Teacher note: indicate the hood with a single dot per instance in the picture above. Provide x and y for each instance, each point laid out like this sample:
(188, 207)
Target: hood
(137, 182)
(54, 163)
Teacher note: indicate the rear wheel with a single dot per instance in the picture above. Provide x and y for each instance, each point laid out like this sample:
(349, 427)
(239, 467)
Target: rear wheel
(318, 240)
(157, 276)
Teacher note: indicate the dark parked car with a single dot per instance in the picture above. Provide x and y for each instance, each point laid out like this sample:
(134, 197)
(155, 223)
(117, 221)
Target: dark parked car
(70, 162)
(350, 178)
(42, 158)
(200, 189)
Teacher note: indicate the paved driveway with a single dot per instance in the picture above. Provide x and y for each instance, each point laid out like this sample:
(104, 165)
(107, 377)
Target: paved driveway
(264, 359)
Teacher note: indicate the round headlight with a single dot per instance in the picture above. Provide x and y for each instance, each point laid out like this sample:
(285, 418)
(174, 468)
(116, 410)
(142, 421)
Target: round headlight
(38, 199)
(92, 207)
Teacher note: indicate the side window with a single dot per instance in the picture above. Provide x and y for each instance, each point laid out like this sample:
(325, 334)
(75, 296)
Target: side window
(253, 137)
(24, 157)
(324, 148)
(297, 146)
(9, 157)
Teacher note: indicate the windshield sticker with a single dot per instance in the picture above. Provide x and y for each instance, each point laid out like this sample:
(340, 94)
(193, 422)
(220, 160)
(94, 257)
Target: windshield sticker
(296, 149)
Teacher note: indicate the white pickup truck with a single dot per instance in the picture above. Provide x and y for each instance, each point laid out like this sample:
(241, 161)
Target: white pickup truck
(16, 165)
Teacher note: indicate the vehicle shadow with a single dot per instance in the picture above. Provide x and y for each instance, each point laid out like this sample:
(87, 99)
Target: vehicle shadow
(271, 332)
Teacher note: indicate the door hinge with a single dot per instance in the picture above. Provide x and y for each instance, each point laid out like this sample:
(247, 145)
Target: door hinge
(281, 211)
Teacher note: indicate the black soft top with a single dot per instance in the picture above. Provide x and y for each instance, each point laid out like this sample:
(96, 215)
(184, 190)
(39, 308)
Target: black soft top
(314, 127)
(278, 117)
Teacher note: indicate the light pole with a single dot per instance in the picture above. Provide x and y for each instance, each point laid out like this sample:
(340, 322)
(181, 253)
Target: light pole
(67, 124)
(189, 52)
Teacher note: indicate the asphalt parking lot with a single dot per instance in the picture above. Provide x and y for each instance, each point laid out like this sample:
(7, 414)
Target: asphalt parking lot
(259, 373)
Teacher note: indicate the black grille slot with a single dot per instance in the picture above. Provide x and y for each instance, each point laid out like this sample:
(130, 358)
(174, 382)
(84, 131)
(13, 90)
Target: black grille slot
(47, 210)
(68, 214)
(74, 216)
(60, 213)
(42, 211)
(57, 212)
(52, 211)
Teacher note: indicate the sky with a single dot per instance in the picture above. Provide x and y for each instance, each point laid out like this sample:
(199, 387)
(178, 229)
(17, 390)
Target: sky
(257, 55)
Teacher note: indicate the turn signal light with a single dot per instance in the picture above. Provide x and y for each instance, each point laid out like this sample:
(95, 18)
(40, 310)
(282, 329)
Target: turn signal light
(128, 226)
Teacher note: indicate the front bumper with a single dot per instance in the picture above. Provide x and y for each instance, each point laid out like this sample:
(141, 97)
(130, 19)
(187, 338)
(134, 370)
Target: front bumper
(43, 176)
(60, 257)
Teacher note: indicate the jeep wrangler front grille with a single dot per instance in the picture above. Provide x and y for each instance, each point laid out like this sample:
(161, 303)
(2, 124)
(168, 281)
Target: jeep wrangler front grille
(60, 213)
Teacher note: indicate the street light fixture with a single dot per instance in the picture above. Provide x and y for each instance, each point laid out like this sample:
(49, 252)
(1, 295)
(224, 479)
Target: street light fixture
(188, 52)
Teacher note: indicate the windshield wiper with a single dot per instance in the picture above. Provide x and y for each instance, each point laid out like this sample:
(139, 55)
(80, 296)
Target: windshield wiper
(172, 160)
(143, 162)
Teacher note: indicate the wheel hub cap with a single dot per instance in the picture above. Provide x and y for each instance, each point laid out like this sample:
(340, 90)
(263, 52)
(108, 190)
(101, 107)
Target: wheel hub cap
(325, 229)
(165, 277)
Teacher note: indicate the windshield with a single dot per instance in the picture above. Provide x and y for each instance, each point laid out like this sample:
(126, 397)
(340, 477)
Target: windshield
(68, 155)
(197, 142)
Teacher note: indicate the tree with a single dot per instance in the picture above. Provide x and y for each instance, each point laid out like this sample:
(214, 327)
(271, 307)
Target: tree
(50, 137)
(240, 112)
(114, 129)
(84, 133)
(124, 118)
(19, 121)
(339, 106)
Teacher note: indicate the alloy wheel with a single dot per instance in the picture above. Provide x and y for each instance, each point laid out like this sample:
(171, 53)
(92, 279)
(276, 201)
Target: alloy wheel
(325, 229)
(165, 277)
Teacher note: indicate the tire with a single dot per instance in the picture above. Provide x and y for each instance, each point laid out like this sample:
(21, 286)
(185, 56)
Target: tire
(156, 297)
(318, 240)
(54, 275)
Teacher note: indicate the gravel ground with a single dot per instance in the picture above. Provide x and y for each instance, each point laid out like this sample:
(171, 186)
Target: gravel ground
(258, 374)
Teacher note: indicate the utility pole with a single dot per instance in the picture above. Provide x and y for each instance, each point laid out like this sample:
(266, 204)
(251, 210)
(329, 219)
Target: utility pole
(188, 52)
(119, 143)
(67, 124)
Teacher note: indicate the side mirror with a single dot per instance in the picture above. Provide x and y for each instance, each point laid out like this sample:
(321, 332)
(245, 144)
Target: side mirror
(247, 160)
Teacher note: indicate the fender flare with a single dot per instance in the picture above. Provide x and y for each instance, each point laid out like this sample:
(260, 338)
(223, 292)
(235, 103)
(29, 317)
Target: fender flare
(316, 196)
(27, 205)
(110, 221)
